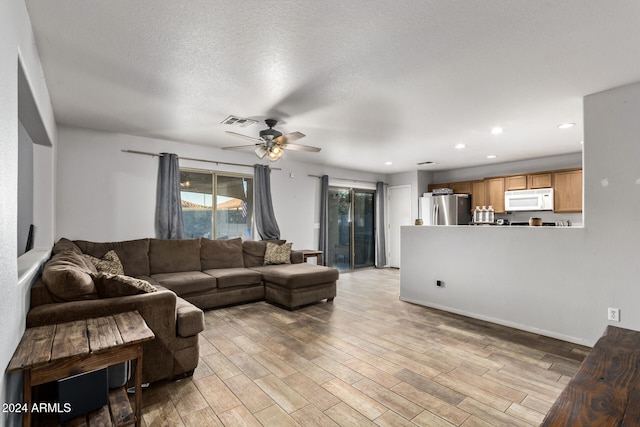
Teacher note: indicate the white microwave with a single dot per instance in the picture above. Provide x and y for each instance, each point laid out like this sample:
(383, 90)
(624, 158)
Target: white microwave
(529, 200)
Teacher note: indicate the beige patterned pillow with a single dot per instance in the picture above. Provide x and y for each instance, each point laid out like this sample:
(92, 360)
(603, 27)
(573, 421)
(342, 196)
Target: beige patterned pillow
(277, 254)
(118, 285)
(109, 263)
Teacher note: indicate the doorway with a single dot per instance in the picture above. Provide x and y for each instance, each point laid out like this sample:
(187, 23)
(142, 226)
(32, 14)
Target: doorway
(351, 228)
(399, 215)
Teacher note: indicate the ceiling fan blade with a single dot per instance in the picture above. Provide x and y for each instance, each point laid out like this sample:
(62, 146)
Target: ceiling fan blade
(250, 138)
(293, 136)
(242, 147)
(298, 147)
(288, 137)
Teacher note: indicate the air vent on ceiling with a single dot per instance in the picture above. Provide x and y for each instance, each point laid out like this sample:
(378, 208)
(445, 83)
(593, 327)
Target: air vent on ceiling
(239, 122)
(426, 163)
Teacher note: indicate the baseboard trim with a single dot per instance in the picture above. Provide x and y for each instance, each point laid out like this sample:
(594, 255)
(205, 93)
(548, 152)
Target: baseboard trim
(526, 328)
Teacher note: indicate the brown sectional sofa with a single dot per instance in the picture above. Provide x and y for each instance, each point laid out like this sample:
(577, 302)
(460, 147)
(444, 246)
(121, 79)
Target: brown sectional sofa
(190, 275)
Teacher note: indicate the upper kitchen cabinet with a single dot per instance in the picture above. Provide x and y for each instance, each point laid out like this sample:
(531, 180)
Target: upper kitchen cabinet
(494, 188)
(540, 180)
(478, 193)
(524, 182)
(567, 187)
(515, 182)
(461, 187)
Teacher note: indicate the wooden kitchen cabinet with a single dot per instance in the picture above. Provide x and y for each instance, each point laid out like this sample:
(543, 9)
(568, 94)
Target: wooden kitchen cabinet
(494, 193)
(478, 194)
(461, 187)
(515, 182)
(567, 187)
(540, 180)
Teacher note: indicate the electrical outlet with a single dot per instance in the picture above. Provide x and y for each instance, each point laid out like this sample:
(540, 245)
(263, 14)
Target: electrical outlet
(613, 314)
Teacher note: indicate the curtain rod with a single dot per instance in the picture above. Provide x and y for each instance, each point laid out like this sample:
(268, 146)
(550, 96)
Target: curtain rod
(194, 159)
(347, 179)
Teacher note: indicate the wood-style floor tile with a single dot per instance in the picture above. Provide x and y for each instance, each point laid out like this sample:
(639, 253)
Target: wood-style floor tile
(365, 359)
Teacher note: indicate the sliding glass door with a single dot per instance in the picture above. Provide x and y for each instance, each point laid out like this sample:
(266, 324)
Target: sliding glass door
(351, 228)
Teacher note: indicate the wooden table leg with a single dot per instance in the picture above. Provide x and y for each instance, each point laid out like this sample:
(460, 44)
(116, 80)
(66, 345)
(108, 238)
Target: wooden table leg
(139, 386)
(26, 397)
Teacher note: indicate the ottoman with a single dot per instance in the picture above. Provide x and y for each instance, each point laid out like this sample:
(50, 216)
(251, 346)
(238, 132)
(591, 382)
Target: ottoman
(295, 285)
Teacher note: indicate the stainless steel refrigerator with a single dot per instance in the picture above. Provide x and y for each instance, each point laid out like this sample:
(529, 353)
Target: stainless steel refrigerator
(447, 209)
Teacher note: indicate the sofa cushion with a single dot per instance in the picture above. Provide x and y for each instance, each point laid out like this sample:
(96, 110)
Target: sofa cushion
(277, 254)
(118, 285)
(253, 251)
(189, 318)
(67, 276)
(231, 277)
(109, 263)
(134, 254)
(186, 282)
(294, 276)
(221, 253)
(171, 256)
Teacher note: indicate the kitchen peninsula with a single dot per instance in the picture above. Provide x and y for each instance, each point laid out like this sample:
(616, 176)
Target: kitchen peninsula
(505, 275)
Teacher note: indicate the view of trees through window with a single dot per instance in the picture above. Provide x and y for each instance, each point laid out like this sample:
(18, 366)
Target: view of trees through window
(216, 205)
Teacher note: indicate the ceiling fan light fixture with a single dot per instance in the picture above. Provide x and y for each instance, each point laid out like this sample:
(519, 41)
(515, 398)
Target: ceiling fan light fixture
(275, 153)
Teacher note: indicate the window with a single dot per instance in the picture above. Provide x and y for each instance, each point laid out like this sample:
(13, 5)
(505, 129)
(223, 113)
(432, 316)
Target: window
(216, 205)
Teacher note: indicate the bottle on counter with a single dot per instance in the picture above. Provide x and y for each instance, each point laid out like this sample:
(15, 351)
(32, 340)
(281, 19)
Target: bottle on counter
(492, 215)
(476, 215)
(484, 215)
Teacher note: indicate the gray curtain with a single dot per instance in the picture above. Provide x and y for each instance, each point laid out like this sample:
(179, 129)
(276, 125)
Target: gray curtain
(169, 223)
(323, 243)
(266, 223)
(381, 251)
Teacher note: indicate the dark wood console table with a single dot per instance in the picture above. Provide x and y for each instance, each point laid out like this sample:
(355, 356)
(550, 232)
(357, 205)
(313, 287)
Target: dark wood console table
(52, 352)
(311, 253)
(606, 389)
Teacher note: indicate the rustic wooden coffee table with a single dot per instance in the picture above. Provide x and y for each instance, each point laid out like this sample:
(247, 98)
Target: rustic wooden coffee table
(52, 352)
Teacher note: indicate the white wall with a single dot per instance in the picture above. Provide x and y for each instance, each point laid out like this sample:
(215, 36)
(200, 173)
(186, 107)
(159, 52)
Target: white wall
(16, 39)
(558, 282)
(104, 194)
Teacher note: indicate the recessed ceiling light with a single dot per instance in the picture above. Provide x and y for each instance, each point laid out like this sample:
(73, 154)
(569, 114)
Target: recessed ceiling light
(491, 156)
(566, 125)
(497, 131)
(388, 163)
(459, 146)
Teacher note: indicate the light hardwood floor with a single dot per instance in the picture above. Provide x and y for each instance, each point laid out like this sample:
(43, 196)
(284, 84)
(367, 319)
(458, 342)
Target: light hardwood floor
(366, 359)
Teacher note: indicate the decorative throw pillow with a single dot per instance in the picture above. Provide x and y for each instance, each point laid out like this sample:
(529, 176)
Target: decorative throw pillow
(109, 263)
(67, 275)
(119, 285)
(277, 254)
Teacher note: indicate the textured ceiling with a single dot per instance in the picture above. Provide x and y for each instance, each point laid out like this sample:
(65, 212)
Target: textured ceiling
(367, 81)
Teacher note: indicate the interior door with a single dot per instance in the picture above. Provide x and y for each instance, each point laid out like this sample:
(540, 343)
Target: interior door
(399, 208)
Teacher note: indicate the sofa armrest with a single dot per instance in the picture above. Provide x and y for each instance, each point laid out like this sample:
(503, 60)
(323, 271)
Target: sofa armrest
(296, 257)
(157, 308)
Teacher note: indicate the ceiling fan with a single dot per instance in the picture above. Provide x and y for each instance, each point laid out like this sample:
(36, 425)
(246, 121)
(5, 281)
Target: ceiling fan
(272, 143)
